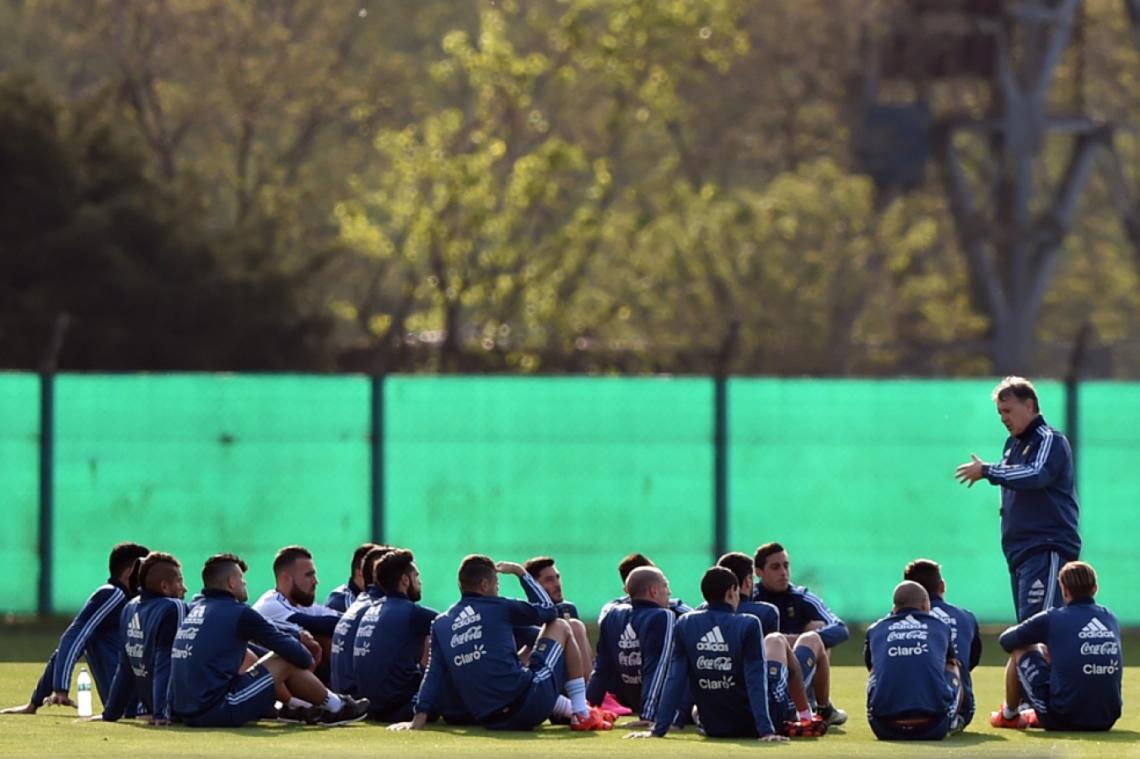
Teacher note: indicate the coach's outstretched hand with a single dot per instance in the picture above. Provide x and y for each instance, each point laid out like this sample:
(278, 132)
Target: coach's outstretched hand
(774, 738)
(970, 472)
(642, 734)
(28, 708)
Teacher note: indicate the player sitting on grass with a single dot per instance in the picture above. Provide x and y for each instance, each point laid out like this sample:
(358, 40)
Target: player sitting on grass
(964, 634)
(208, 685)
(634, 646)
(389, 647)
(719, 657)
(149, 622)
(800, 612)
(94, 634)
(292, 599)
(473, 652)
(543, 569)
(742, 566)
(342, 596)
(625, 567)
(1068, 661)
(914, 691)
(342, 673)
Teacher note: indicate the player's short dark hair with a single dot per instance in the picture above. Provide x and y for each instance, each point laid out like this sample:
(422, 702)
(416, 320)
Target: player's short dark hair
(391, 567)
(155, 568)
(287, 556)
(124, 556)
(1079, 578)
(738, 563)
(632, 562)
(926, 573)
(1016, 387)
(474, 569)
(763, 552)
(717, 582)
(358, 558)
(534, 567)
(371, 559)
(220, 566)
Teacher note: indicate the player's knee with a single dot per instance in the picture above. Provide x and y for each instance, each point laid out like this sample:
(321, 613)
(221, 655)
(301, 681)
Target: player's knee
(776, 648)
(812, 641)
(558, 629)
(577, 626)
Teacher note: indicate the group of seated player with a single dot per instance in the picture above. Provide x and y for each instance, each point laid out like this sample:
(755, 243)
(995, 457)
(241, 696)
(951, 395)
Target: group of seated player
(753, 660)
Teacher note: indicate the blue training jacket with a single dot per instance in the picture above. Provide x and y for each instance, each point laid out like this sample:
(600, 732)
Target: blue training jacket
(768, 614)
(906, 653)
(966, 641)
(210, 646)
(1039, 509)
(798, 607)
(342, 596)
(718, 658)
(388, 650)
(341, 667)
(1088, 661)
(617, 661)
(473, 652)
(149, 623)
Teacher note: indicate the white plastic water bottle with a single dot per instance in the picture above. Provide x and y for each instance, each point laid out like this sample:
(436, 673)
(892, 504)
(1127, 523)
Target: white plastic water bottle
(83, 695)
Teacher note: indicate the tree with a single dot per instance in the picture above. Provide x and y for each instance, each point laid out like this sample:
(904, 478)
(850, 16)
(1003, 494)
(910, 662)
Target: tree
(84, 233)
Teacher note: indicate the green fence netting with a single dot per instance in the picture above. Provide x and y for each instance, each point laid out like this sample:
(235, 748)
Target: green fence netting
(19, 490)
(585, 470)
(1108, 462)
(199, 464)
(855, 478)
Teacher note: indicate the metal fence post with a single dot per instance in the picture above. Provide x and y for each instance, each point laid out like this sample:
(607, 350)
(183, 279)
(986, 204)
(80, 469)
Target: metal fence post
(47, 492)
(720, 466)
(376, 412)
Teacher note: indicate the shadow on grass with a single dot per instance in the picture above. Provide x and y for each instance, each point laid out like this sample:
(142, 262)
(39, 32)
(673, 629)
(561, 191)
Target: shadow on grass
(1110, 736)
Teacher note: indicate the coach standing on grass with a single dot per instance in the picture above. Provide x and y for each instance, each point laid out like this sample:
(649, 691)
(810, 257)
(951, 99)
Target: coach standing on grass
(1039, 509)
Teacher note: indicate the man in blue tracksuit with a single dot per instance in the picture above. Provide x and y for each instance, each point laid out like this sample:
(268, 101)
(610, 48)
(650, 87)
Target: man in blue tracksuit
(150, 622)
(965, 637)
(472, 652)
(388, 650)
(913, 691)
(617, 663)
(800, 612)
(93, 634)
(719, 657)
(342, 667)
(1069, 662)
(1039, 511)
(208, 687)
(545, 571)
(741, 565)
(342, 596)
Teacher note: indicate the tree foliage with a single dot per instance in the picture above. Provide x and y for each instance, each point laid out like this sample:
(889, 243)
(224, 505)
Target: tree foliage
(575, 185)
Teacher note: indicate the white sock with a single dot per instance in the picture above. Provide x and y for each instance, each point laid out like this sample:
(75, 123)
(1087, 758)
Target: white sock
(805, 715)
(332, 703)
(562, 708)
(1007, 712)
(299, 703)
(576, 689)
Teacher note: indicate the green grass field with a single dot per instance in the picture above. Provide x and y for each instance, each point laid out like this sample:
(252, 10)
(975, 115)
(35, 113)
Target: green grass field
(56, 732)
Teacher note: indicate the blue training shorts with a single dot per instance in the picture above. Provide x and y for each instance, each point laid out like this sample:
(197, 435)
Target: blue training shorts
(537, 702)
(251, 695)
(1035, 585)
